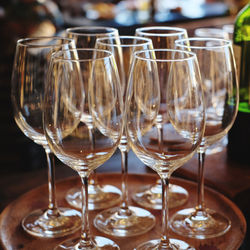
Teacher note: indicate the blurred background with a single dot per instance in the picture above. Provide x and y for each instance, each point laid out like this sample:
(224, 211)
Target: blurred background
(25, 18)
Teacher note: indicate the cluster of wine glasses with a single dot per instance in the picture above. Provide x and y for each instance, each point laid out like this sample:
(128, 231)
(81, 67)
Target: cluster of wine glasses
(163, 95)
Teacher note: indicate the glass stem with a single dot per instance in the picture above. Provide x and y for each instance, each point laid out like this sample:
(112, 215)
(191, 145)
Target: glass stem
(159, 131)
(92, 178)
(164, 243)
(124, 161)
(159, 138)
(124, 166)
(85, 240)
(200, 203)
(52, 207)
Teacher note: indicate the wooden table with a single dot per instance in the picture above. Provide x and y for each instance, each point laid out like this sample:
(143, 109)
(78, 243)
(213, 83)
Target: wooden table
(229, 178)
(13, 237)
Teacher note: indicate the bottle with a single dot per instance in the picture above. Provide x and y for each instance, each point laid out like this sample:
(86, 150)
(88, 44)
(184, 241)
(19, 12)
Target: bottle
(239, 135)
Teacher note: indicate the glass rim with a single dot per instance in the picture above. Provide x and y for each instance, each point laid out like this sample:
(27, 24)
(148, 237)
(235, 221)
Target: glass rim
(192, 55)
(58, 55)
(226, 43)
(88, 28)
(146, 41)
(143, 30)
(28, 41)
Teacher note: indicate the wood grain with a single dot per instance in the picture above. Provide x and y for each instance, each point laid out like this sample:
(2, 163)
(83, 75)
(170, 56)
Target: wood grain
(13, 237)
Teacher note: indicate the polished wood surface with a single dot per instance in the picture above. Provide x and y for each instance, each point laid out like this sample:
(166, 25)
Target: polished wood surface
(13, 237)
(228, 177)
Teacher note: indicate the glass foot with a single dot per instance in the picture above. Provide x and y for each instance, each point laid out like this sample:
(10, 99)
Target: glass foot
(150, 196)
(123, 223)
(200, 225)
(100, 197)
(40, 224)
(96, 244)
(174, 244)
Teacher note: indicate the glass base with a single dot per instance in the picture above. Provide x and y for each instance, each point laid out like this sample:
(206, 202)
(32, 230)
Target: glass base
(199, 225)
(174, 244)
(150, 196)
(100, 197)
(97, 243)
(40, 224)
(124, 223)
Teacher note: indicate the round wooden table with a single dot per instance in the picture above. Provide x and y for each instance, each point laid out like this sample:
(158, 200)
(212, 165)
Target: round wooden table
(14, 237)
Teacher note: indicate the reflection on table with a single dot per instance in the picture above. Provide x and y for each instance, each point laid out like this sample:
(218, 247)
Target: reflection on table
(12, 234)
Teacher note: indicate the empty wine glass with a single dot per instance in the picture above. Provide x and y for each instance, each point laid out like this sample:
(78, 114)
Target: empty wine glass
(165, 82)
(124, 220)
(84, 83)
(217, 66)
(100, 196)
(27, 93)
(214, 33)
(163, 37)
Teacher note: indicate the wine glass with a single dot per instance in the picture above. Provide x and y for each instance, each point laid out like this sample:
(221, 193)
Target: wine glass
(83, 83)
(165, 82)
(217, 66)
(27, 93)
(214, 33)
(163, 37)
(124, 220)
(100, 197)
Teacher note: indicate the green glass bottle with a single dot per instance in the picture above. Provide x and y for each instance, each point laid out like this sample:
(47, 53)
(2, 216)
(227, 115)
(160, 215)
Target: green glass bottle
(239, 135)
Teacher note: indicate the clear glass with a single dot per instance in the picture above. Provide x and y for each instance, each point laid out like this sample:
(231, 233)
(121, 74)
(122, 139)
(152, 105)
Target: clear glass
(217, 66)
(165, 82)
(84, 84)
(27, 93)
(211, 32)
(220, 145)
(124, 220)
(163, 37)
(100, 196)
